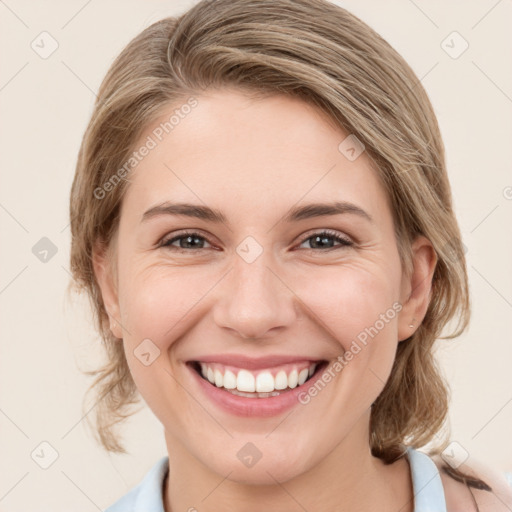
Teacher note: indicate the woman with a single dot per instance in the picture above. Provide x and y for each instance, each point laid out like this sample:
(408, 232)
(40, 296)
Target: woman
(262, 217)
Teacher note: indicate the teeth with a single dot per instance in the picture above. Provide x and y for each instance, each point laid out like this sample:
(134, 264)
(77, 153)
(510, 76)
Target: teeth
(293, 379)
(245, 383)
(254, 395)
(281, 381)
(229, 380)
(264, 382)
(303, 375)
(219, 379)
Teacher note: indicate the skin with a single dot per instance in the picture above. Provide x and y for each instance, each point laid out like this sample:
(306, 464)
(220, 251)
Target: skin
(254, 160)
(459, 498)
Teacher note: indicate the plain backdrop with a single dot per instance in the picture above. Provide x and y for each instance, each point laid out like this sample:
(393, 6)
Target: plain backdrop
(47, 339)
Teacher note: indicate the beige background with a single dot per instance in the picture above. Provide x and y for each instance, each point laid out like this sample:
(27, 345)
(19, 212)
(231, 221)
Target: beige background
(45, 105)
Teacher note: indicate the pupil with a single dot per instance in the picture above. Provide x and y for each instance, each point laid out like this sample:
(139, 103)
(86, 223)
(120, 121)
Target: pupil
(322, 239)
(189, 240)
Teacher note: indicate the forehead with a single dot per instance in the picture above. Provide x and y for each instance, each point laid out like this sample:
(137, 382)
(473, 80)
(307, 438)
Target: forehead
(253, 154)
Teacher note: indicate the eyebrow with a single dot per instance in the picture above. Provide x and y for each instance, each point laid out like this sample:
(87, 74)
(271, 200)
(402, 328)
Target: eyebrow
(295, 214)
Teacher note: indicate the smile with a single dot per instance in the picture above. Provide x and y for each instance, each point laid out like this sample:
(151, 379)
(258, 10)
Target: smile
(248, 387)
(262, 384)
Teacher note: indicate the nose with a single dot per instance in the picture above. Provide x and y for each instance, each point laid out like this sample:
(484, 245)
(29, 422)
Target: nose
(254, 300)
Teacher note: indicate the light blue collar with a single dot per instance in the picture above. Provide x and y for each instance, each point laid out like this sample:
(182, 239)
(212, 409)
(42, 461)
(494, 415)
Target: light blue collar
(427, 487)
(427, 484)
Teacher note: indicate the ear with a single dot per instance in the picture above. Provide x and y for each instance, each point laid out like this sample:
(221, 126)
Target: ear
(104, 272)
(416, 288)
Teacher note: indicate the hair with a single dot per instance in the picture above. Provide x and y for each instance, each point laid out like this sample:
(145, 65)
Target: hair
(318, 52)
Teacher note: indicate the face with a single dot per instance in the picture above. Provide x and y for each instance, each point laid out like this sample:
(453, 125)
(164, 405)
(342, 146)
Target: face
(249, 285)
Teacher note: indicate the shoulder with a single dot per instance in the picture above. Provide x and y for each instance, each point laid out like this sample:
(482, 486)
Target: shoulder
(461, 498)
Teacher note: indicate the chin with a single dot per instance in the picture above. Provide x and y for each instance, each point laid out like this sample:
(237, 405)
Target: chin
(263, 473)
(261, 462)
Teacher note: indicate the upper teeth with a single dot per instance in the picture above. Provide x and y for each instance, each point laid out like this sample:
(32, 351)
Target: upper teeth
(262, 382)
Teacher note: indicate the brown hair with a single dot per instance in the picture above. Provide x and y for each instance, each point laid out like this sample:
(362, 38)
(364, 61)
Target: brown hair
(316, 51)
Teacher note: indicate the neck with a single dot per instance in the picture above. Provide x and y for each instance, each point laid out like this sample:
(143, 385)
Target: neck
(348, 479)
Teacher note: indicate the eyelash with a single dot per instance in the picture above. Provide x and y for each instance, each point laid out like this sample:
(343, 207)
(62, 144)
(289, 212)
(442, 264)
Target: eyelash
(344, 242)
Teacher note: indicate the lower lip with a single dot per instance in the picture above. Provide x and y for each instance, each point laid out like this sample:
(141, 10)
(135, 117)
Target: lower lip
(250, 407)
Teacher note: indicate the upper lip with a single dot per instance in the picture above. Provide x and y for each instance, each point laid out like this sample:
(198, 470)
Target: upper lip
(254, 363)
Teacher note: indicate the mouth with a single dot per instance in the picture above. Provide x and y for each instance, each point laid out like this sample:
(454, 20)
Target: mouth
(264, 383)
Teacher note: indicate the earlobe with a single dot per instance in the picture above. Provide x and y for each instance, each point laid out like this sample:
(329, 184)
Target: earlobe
(103, 270)
(416, 288)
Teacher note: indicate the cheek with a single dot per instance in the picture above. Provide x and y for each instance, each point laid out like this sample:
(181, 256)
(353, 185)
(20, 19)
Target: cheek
(351, 302)
(155, 301)
(348, 301)
(154, 307)
(359, 310)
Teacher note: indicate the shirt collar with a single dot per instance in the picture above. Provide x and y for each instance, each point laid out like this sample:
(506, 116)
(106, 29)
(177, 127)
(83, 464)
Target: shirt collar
(151, 495)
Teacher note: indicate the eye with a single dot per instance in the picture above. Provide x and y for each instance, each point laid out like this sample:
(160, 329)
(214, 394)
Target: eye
(190, 240)
(186, 241)
(322, 240)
